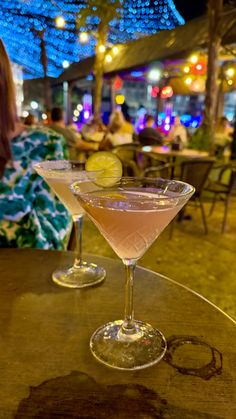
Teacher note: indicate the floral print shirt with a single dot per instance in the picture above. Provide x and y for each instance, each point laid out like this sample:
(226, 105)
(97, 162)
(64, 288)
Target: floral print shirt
(30, 214)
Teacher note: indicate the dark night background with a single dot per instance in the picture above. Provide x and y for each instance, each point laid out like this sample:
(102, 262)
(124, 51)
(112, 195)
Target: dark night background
(193, 8)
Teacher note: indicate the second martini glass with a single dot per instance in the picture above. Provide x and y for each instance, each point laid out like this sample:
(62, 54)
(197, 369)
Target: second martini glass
(59, 175)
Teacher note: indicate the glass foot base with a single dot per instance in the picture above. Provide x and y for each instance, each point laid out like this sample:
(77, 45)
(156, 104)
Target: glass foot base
(142, 348)
(85, 275)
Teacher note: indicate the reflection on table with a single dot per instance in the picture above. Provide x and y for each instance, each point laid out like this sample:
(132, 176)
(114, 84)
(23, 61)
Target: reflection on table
(46, 366)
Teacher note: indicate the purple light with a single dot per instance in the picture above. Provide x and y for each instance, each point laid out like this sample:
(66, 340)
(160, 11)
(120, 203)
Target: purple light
(86, 115)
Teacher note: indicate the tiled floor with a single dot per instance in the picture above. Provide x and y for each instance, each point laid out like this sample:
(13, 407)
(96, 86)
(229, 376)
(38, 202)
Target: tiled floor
(204, 263)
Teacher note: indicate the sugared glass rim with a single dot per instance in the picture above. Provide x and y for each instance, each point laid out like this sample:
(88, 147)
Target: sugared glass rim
(61, 169)
(176, 194)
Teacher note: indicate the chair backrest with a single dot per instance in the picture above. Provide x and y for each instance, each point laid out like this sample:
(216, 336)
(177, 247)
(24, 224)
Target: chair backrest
(148, 159)
(126, 152)
(163, 171)
(196, 172)
(232, 183)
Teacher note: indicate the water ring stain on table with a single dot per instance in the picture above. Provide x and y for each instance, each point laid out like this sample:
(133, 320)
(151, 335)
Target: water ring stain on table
(205, 371)
(79, 396)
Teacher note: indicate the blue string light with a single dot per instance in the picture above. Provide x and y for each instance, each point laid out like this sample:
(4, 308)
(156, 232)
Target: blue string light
(19, 17)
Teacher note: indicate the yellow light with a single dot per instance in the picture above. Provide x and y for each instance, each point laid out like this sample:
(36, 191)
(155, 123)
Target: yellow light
(101, 48)
(60, 22)
(120, 99)
(83, 37)
(44, 116)
(115, 50)
(76, 112)
(80, 107)
(108, 58)
(186, 69)
(194, 59)
(230, 72)
(188, 80)
(230, 82)
(154, 74)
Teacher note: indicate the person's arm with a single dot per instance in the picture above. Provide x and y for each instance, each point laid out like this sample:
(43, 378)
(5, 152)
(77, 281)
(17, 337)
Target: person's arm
(86, 146)
(106, 143)
(170, 136)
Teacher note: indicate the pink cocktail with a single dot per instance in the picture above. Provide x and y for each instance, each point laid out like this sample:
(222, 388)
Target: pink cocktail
(131, 214)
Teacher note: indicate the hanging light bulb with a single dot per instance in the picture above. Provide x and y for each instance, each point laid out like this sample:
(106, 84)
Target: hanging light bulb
(65, 64)
(60, 22)
(230, 72)
(102, 48)
(115, 50)
(194, 59)
(186, 69)
(188, 81)
(108, 58)
(83, 37)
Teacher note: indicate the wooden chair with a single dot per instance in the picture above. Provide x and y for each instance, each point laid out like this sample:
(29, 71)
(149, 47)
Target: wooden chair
(223, 189)
(196, 173)
(127, 153)
(148, 159)
(163, 171)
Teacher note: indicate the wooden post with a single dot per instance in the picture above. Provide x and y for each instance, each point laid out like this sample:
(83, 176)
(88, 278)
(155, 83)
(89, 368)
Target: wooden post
(67, 90)
(215, 9)
(99, 71)
(44, 61)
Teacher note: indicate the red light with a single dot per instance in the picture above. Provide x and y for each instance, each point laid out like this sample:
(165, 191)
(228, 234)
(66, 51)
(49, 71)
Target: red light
(166, 92)
(118, 83)
(155, 91)
(199, 67)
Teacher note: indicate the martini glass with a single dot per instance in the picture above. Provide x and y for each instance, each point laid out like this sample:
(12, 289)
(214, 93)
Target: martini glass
(131, 213)
(59, 175)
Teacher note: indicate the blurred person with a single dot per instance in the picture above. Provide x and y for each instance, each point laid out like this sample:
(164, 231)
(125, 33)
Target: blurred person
(30, 214)
(118, 132)
(93, 130)
(127, 126)
(223, 138)
(71, 125)
(149, 135)
(223, 132)
(30, 120)
(73, 139)
(178, 132)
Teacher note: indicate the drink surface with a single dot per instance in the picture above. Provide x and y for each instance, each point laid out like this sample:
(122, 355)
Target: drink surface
(130, 220)
(61, 189)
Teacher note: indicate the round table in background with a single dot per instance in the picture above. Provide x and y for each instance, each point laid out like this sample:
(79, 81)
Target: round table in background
(46, 366)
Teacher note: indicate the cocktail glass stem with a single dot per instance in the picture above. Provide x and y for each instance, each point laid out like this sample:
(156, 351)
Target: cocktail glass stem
(128, 326)
(78, 224)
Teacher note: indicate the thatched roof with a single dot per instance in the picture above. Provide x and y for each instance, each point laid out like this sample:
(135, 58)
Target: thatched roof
(171, 44)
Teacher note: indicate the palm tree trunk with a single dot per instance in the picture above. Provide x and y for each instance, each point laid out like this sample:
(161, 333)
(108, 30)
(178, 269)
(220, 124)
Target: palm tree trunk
(215, 9)
(99, 71)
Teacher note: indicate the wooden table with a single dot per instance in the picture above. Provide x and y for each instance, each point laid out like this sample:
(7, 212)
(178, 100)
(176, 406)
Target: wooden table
(46, 366)
(172, 155)
(166, 151)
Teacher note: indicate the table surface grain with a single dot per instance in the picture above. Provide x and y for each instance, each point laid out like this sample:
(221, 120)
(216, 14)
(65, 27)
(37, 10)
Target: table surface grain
(47, 370)
(185, 153)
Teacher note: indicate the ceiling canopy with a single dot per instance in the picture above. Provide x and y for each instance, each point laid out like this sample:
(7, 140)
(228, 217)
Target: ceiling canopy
(23, 22)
